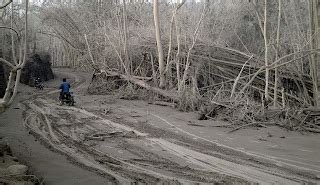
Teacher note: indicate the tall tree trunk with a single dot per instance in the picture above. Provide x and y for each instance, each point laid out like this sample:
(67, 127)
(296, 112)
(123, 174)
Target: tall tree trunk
(125, 36)
(275, 96)
(168, 70)
(194, 40)
(120, 34)
(314, 26)
(266, 54)
(159, 45)
(14, 78)
(13, 46)
(177, 59)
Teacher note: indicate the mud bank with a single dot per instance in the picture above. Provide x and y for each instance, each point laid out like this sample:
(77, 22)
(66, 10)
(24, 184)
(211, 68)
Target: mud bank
(53, 167)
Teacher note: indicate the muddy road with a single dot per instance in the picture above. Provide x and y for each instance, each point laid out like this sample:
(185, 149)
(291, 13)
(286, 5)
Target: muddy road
(131, 147)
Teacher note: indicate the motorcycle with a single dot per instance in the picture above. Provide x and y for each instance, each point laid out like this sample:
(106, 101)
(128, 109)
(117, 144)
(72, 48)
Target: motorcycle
(38, 85)
(67, 98)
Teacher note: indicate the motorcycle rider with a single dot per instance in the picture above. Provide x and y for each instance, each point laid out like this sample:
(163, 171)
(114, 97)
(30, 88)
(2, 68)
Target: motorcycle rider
(65, 88)
(37, 81)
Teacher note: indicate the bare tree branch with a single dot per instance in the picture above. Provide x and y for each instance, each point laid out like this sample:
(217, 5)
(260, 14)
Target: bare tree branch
(12, 29)
(14, 57)
(181, 4)
(6, 62)
(56, 35)
(277, 65)
(6, 4)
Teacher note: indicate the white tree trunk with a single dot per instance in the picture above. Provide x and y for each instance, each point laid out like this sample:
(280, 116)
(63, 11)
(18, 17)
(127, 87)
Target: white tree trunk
(266, 55)
(125, 36)
(159, 45)
(14, 77)
(275, 96)
(314, 26)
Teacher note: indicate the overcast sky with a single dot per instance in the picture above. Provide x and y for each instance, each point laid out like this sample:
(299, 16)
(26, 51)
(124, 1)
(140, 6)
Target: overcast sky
(39, 1)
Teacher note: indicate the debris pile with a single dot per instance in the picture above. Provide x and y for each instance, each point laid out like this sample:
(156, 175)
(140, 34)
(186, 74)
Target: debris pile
(242, 112)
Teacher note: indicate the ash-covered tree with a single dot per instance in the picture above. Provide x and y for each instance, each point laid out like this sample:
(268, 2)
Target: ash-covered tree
(18, 44)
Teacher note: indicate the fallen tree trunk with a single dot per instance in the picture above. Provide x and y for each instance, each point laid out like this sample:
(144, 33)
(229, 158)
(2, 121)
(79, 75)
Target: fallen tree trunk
(311, 109)
(314, 130)
(146, 86)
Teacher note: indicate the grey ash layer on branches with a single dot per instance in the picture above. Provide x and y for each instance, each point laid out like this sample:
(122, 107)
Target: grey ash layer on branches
(266, 50)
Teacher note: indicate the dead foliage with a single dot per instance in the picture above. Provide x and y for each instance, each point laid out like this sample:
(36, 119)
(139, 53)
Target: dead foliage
(102, 83)
(214, 67)
(243, 112)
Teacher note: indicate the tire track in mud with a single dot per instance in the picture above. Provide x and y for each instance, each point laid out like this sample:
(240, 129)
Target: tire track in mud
(43, 119)
(76, 151)
(212, 148)
(247, 165)
(148, 176)
(204, 160)
(41, 135)
(226, 167)
(128, 168)
(277, 160)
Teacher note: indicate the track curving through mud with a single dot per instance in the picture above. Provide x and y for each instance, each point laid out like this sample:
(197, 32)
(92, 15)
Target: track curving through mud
(127, 152)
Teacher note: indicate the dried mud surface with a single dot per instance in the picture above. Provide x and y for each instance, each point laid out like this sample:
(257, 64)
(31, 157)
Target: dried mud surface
(129, 147)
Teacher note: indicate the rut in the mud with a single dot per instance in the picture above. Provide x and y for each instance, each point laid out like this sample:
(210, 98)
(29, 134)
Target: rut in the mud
(78, 138)
(125, 152)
